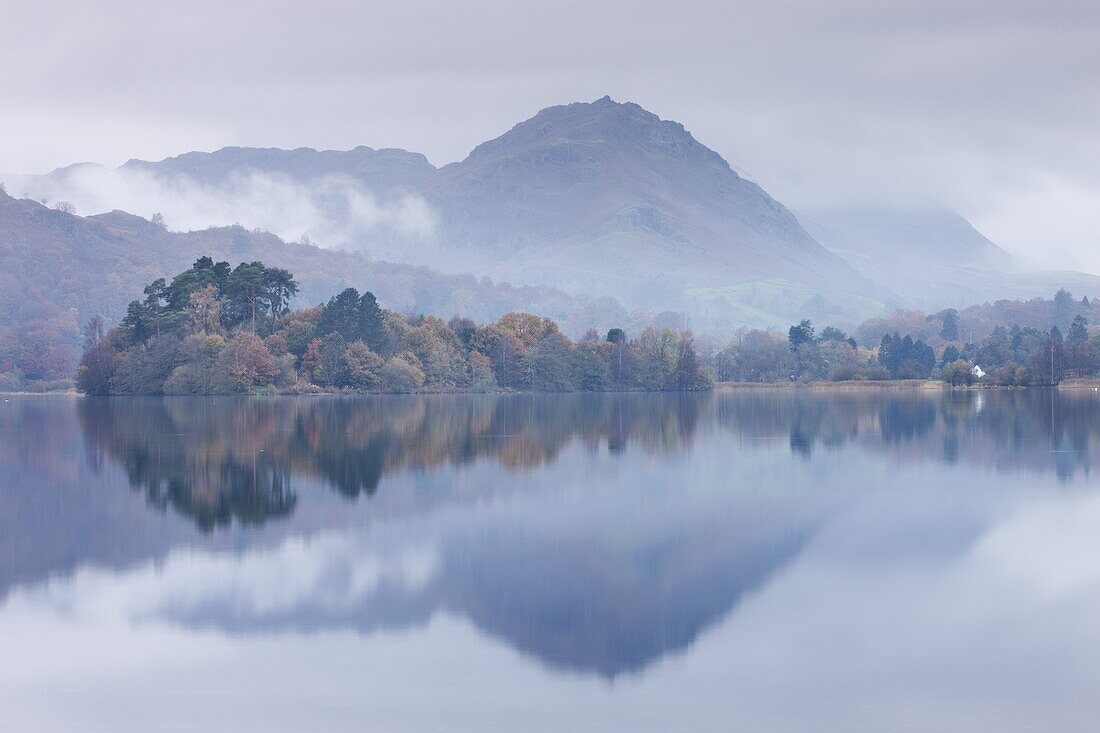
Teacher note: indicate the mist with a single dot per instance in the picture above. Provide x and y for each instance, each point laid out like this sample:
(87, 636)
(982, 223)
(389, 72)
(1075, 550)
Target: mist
(332, 211)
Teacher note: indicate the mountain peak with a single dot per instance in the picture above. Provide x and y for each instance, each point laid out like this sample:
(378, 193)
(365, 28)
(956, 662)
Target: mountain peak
(625, 127)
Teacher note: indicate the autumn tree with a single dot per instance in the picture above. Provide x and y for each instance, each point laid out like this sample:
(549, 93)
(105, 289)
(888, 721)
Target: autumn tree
(245, 363)
(311, 361)
(402, 373)
(364, 367)
(204, 311)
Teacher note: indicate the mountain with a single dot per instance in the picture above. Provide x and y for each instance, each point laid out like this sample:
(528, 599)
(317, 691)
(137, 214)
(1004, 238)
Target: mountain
(933, 258)
(387, 171)
(555, 576)
(601, 198)
(610, 195)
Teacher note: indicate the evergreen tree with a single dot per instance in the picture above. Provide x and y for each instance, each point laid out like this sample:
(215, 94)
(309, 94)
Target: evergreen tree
(803, 333)
(950, 325)
(1063, 309)
(371, 329)
(1078, 331)
(245, 291)
(342, 315)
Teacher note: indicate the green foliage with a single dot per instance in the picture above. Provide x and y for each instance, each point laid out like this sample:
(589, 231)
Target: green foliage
(144, 368)
(355, 317)
(363, 365)
(298, 334)
(215, 330)
(1078, 331)
(905, 358)
(198, 374)
(959, 372)
(1063, 309)
(949, 330)
(803, 333)
(332, 371)
(402, 373)
(172, 342)
(592, 366)
(551, 364)
(201, 333)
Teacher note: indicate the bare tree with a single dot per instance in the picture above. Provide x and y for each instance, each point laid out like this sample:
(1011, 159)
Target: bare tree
(93, 332)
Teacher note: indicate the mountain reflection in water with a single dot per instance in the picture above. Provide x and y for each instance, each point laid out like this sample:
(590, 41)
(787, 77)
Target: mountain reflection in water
(596, 533)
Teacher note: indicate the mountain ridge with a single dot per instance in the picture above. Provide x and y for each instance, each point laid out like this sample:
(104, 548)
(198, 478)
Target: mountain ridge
(608, 198)
(934, 258)
(595, 197)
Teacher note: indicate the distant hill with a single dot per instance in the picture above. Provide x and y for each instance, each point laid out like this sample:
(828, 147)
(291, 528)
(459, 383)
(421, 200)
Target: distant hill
(59, 269)
(933, 258)
(386, 171)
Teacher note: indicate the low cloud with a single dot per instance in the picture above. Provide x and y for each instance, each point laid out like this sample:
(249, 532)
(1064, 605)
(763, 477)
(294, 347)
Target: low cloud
(330, 211)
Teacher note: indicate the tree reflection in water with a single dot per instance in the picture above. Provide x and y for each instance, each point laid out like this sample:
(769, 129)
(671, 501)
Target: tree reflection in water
(225, 459)
(220, 460)
(672, 509)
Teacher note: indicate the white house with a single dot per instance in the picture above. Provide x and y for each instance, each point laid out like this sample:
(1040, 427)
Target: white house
(977, 372)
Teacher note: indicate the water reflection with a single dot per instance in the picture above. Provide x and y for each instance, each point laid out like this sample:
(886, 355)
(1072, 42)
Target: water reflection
(225, 460)
(592, 534)
(1040, 430)
(222, 460)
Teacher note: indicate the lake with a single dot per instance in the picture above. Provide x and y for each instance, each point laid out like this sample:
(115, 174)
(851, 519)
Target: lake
(759, 560)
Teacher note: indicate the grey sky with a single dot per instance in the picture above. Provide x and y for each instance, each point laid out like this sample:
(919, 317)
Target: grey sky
(991, 107)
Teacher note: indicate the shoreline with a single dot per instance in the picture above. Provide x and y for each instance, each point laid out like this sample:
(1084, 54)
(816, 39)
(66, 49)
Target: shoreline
(1082, 383)
(855, 385)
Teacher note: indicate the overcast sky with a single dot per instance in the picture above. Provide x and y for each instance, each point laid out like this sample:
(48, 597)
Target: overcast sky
(992, 108)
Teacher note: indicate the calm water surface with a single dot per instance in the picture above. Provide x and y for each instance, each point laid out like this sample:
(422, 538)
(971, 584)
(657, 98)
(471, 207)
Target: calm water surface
(751, 561)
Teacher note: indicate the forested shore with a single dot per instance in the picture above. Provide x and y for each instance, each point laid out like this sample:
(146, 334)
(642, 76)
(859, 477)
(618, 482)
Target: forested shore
(217, 330)
(916, 346)
(214, 329)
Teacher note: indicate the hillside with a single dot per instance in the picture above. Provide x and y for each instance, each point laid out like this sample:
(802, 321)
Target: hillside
(932, 257)
(609, 195)
(595, 199)
(385, 171)
(59, 269)
(598, 198)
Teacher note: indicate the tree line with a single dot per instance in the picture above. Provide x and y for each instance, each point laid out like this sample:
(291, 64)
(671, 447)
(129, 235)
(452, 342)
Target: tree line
(1008, 356)
(215, 329)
